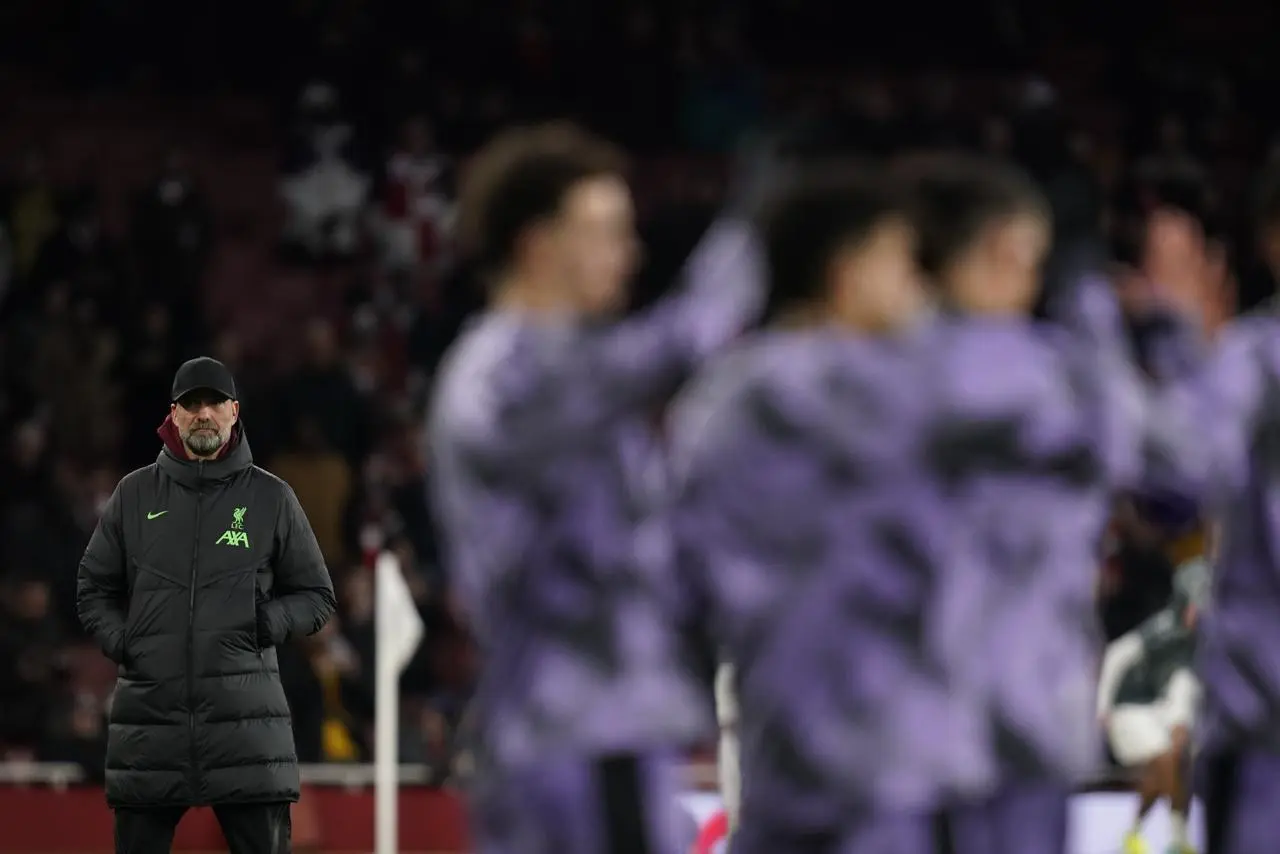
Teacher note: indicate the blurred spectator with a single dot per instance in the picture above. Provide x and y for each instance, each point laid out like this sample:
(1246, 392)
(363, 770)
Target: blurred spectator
(357, 607)
(322, 389)
(324, 186)
(322, 480)
(83, 255)
(78, 734)
(33, 214)
(49, 508)
(306, 699)
(337, 670)
(934, 122)
(408, 493)
(73, 369)
(723, 95)
(1170, 157)
(358, 630)
(172, 238)
(258, 402)
(1075, 195)
(417, 202)
(150, 351)
(32, 664)
(24, 468)
(866, 118)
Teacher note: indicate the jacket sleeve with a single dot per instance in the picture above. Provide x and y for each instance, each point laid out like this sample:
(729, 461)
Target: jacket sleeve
(302, 599)
(102, 585)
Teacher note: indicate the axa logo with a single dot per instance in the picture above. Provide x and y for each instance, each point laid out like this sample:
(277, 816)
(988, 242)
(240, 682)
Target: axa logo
(236, 534)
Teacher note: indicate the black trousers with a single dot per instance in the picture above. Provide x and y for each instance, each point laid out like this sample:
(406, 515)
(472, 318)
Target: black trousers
(248, 828)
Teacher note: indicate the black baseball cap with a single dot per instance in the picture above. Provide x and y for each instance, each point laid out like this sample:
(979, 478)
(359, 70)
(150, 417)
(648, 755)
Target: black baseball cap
(203, 373)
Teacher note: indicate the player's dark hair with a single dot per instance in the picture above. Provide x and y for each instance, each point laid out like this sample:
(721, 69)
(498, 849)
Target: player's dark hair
(956, 197)
(520, 178)
(816, 216)
(1267, 203)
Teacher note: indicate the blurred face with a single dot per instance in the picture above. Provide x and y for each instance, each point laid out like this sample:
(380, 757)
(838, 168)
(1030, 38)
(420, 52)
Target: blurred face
(33, 600)
(156, 321)
(876, 286)
(359, 596)
(28, 445)
(322, 345)
(204, 420)
(591, 247)
(1001, 275)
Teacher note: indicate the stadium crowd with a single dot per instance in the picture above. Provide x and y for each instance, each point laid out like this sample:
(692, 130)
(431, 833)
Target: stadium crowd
(103, 292)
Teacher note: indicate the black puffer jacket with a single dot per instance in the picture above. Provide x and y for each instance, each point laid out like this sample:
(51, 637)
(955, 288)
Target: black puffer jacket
(185, 557)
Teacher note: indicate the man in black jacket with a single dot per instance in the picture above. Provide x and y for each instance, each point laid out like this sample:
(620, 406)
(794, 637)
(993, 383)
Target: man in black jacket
(201, 565)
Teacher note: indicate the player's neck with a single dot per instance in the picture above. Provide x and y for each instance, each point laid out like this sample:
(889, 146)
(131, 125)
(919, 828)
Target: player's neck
(530, 295)
(968, 291)
(817, 316)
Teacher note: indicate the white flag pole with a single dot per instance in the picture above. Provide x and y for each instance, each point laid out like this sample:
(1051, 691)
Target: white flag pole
(398, 630)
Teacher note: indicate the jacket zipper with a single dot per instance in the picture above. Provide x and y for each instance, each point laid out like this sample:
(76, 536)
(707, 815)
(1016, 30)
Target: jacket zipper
(191, 645)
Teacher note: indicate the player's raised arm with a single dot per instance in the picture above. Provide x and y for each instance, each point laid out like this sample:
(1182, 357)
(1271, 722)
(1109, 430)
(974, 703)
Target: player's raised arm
(550, 215)
(1205, 406)
(1193, 415)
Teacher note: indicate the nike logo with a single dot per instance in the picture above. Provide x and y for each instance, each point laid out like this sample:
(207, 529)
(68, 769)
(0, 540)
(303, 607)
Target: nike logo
(156, 515)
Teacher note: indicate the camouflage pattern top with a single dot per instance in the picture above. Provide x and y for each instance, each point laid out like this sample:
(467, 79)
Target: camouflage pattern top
(808, 518)
(1062, 419)
(1231, 411)
(546, 482)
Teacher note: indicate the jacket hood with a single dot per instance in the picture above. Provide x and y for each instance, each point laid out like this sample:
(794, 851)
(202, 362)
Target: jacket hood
(234, 457)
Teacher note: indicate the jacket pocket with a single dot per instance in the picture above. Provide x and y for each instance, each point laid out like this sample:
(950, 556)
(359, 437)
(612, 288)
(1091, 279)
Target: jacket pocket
(246, 605)
(235, 614)
(262, 583)
(153, 596)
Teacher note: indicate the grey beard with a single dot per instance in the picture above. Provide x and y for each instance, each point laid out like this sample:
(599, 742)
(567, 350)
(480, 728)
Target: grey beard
(204, 442)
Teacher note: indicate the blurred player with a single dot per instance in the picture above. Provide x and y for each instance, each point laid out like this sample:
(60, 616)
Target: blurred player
(1232, 410)
(1059, 418)
(1147, 698)
(546, 476)
(1228, 415)
(806, 504)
